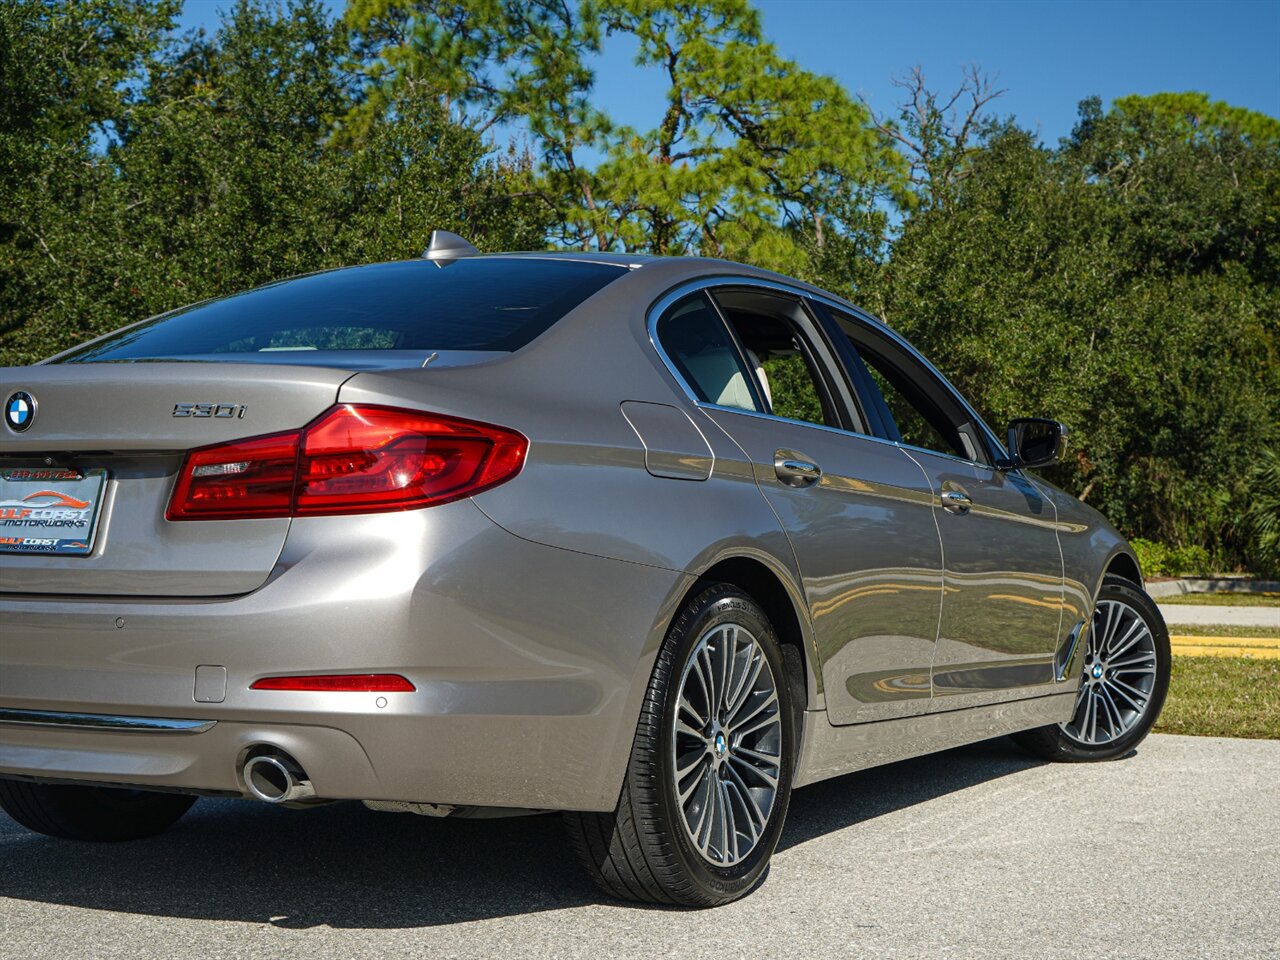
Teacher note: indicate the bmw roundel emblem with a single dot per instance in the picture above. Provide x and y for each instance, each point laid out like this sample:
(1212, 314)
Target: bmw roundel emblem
(20, 411)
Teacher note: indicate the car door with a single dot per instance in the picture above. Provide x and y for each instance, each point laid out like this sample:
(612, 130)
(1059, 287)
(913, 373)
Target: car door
(858, 511)
(1002, 616)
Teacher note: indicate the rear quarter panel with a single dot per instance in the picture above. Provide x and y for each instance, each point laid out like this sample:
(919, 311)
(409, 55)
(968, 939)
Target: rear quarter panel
(585, 485)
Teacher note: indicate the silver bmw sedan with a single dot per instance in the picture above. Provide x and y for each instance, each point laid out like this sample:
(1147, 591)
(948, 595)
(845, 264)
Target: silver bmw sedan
(650, 542)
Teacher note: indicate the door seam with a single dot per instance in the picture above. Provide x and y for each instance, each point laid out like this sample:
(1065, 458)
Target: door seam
(942, 554)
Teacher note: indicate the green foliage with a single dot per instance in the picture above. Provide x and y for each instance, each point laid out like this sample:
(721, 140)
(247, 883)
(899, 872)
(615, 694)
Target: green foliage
(67, 72)
(1262, 514)
(220, 171)
(747, 144)
(791, 388)
(1162, 560)
(1124, 284)
(1194, 116)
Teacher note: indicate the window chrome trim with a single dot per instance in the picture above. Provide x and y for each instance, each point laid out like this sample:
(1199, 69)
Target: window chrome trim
(906, 447)
(101, 721)
(774, 418)
(668, 299)
(912, 448)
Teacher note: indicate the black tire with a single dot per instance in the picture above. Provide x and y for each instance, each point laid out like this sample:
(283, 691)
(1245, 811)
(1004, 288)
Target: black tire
(91, 813)
(641, 851)
(1054, 743)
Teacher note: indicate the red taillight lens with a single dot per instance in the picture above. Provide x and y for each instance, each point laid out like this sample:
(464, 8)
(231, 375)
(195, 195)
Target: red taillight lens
(248, 478)
(353, 459)
(338, 683)
(381, 458)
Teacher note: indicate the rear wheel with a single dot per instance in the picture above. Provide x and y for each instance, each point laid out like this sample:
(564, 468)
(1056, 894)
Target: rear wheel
(91, 813)
(709, 777)
(1124, 682)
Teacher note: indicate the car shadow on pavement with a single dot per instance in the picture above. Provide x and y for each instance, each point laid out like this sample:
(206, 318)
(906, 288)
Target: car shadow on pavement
(857, 797)
(346, 867)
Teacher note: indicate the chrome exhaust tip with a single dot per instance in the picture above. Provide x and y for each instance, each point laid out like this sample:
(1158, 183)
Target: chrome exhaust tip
(276, 778)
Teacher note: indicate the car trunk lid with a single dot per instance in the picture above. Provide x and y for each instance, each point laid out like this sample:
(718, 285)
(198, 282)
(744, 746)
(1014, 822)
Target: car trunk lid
(135, 421)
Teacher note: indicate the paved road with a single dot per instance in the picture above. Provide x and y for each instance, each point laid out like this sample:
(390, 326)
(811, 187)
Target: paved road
(1217, 616)
(980, 852)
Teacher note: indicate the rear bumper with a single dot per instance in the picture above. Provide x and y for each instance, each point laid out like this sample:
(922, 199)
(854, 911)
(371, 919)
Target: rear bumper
(205, 762)
(529, 664)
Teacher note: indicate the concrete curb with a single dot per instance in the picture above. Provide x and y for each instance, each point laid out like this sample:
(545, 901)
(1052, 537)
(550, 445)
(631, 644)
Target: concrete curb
(1174, 588)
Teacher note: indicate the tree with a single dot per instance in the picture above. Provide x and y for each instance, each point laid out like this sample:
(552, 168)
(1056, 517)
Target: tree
(1193, 115)
(939, 136)
(751, 155)
(1126, 283)
(67, 73)
(220, 173)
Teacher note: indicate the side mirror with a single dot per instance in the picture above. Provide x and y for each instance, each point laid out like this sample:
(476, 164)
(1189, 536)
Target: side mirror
(1035, 442)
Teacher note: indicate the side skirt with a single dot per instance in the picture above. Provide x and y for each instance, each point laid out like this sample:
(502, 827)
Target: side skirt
(829, 751)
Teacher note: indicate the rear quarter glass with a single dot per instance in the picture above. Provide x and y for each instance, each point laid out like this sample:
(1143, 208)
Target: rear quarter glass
(481, 304)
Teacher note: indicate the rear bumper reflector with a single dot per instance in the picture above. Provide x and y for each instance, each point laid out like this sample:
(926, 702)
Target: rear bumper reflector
(338, 683)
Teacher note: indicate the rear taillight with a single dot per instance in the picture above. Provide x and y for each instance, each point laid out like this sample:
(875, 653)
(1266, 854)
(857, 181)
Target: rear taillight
(352, 459)
(248, 478)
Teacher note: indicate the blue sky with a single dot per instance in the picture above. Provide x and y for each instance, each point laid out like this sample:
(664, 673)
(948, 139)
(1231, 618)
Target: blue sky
(1047, 55)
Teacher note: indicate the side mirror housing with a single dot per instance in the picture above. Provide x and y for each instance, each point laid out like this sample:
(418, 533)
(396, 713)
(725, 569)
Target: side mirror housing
(1035, 442)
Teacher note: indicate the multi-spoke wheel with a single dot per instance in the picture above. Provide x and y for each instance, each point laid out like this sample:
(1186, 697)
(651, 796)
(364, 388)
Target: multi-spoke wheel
(710, 772)
(1124, 679)
(726, 747)
(1119, 676)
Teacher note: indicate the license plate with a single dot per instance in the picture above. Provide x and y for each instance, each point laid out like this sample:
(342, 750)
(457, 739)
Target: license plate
(50, 510)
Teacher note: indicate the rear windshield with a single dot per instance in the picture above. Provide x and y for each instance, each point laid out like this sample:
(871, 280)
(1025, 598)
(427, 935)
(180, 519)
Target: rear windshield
(467, 304)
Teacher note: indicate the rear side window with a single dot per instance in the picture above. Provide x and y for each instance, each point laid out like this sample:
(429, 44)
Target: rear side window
(490, 304)
(769, 327)
(699, 344)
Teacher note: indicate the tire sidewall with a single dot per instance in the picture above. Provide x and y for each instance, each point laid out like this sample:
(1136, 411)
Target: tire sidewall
(715, 607)
(88, 813)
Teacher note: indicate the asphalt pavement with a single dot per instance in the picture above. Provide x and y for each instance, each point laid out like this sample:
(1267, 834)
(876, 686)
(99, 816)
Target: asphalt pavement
(980, 852)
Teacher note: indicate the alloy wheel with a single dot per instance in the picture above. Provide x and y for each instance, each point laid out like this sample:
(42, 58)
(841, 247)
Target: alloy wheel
(1119, 676)
(727, 744)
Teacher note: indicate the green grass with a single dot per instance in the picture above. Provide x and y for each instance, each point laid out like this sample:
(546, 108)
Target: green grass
(1223, 697)
(1224, 599)
(1196, 630)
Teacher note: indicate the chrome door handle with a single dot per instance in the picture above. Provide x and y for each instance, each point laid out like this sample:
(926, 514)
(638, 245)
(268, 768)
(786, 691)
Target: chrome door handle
(795, 472)
(953, 501)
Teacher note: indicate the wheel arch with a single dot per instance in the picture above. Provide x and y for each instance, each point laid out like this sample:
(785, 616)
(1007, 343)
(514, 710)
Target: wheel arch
(1125, 565)
(781, 605)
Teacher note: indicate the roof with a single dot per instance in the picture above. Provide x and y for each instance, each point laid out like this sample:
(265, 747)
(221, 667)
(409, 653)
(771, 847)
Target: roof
(634, 261)
(628, 261)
